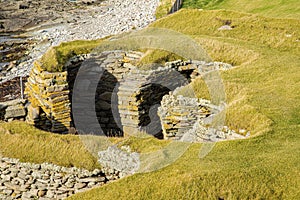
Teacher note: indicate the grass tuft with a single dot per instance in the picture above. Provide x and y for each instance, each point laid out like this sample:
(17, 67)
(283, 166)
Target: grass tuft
(29, 144)
(55, 58)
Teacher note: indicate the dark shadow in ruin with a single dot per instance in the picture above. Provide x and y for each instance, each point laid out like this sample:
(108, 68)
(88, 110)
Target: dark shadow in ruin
(91, 96)
(103, 105)
(151, 96)
(40, 120)
(72, 70)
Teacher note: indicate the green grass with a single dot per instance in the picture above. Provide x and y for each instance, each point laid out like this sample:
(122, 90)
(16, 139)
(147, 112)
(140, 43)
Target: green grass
(29, 144)
(262, 95)
(156, 56)
(268, 8)
(55, 58)
(163, 8)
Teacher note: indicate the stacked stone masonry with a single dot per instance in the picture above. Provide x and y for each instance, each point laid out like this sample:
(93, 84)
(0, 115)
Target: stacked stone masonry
(48, 93)
(139, 94)
(13, 110)
(111, 68)
(47, 181)
(189, 119)
(126, 97)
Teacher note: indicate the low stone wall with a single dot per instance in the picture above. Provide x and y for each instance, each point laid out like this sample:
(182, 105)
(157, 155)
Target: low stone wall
(47, 181)
(189, 119)
(178, 114)
(192, 68)
(141, 90)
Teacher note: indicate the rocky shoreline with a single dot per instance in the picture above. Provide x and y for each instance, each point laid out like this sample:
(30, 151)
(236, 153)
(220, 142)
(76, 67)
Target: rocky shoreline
(94, 21)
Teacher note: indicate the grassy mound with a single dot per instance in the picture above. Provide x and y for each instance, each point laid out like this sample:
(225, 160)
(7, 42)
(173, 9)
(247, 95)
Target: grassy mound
(55, 58)
(262, 95)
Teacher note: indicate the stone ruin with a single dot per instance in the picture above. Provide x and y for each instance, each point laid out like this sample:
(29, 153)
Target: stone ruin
(127, 99)
(190, 120)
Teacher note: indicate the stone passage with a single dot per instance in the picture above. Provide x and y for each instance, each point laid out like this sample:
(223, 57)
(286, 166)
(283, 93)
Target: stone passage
(140, 94)
(47, 181)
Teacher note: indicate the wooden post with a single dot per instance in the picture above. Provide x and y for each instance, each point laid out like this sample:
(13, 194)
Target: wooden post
(21, 85)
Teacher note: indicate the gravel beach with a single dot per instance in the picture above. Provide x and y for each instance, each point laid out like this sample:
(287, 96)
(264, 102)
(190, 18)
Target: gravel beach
(67, 21)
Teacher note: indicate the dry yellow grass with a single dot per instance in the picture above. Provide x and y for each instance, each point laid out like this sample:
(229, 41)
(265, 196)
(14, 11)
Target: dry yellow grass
(29, 144)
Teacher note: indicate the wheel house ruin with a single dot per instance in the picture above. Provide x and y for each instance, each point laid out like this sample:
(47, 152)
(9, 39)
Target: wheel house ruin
(106, 94)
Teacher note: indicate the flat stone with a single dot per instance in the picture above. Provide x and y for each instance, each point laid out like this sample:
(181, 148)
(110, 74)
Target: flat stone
(15, 111)
(92, 179)
(8, 192)
(69, 184)
(80, 185)
(50, 194)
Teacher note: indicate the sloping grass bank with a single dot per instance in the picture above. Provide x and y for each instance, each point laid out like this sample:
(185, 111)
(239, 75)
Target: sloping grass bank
(268, 8)
(29, 144)
(264, 83)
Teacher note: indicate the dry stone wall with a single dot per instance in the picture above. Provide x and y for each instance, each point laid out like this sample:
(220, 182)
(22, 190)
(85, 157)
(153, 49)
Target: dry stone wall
(141, 90)
(111, 67)
(126, 97)
(192, 68)
(47, 181)
(189, 119)
(179, 114)
(139, 95)
(49, 93)
(12, 89)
